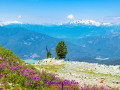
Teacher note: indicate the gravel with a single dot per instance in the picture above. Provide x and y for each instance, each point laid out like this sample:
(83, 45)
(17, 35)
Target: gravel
(71, 72)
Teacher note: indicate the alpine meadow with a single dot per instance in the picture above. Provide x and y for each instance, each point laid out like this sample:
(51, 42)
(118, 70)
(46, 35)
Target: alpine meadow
(59, 45)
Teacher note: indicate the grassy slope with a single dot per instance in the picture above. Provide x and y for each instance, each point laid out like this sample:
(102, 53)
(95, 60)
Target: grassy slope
(13, 70)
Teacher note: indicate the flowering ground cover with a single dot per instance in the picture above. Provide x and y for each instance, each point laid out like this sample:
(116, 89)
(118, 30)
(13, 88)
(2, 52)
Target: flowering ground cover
(16, 75)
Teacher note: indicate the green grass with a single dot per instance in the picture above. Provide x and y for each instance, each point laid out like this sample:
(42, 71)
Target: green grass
(50, 67)
(108, 77)
(101, 74)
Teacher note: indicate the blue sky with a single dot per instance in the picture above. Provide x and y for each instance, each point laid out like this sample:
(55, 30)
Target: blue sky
(56, 11)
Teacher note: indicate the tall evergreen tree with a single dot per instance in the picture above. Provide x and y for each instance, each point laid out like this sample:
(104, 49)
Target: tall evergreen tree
(61, 50)
(48, 53)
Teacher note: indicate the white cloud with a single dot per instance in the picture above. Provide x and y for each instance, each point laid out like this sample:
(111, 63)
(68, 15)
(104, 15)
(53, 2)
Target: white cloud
(19, 16)
(9, 22)
(70, 16)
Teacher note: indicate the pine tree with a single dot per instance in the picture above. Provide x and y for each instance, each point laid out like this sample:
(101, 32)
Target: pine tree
(61, 50)
(48, 53)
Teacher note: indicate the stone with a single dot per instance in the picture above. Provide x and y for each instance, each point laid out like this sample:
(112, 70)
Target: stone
(0, 57)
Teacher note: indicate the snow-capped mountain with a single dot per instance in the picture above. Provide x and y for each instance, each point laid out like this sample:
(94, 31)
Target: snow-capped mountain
(73, 22)
(89, 22)
(2, 23)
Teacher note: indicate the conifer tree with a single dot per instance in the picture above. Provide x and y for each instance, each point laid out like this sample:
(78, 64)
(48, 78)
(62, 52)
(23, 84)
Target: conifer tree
(48, 53)
(61, 50)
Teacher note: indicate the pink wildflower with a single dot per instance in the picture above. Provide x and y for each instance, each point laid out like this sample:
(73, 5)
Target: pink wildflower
(4, 82)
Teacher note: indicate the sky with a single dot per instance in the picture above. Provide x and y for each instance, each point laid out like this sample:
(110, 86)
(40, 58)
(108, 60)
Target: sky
(59, 11)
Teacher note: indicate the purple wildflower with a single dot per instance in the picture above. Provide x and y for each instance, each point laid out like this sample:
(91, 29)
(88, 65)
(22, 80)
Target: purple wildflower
(5, 75)
(1, 75)
(4, 82)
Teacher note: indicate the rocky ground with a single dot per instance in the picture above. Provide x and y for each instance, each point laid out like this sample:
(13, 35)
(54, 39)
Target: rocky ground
(82, 72)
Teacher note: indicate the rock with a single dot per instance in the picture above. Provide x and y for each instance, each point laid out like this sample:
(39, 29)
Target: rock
(84, 69)
(102, 78)
(50, 61)
(116, 82)
(0, 57)
(116, 67)
(13, 86)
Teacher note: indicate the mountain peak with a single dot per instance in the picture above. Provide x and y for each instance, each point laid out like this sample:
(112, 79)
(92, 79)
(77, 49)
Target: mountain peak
(2, 23)
(88, 22)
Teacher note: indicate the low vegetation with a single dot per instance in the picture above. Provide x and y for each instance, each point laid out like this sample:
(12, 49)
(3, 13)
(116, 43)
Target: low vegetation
(50, 67)
(15, 74)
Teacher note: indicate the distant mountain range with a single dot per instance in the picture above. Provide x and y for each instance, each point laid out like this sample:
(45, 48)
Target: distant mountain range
(32, 45)
(83, 41)
(68, 31)
(102, 46)
(93, 60)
